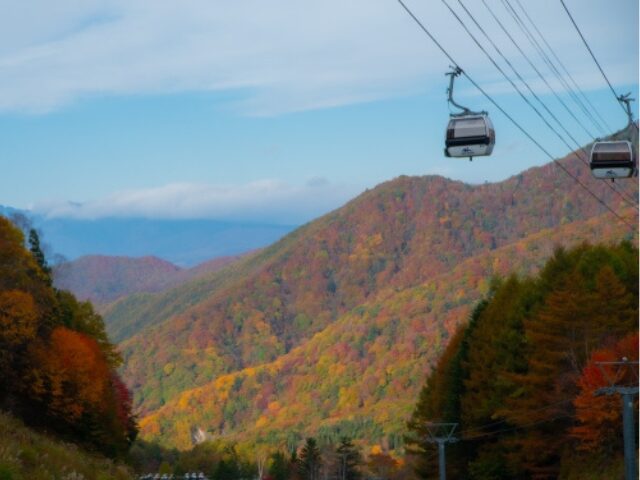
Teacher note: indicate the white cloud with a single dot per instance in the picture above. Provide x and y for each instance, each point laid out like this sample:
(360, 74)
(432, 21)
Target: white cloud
(283, 55)
(261, 201)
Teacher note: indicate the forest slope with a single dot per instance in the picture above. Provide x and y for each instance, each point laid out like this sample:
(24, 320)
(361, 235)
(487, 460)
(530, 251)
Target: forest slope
(398, 235)
(362, 373)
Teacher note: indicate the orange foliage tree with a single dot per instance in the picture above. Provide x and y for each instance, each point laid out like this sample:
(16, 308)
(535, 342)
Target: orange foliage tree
(18, 323)
(599, 417)
(71, 373)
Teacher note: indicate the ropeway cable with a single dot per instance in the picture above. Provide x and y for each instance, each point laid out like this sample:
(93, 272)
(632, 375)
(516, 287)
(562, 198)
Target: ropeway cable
(547, 60)
(595, 60)
(520, 92)
(575, 84)
(525, 132)
(577, 144)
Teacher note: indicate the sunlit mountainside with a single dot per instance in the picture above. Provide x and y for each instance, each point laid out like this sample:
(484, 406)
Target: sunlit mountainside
(341, 320)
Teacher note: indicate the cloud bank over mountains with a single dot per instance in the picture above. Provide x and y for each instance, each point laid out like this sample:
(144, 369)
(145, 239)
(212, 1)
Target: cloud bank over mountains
(263, 201)
(279, 56)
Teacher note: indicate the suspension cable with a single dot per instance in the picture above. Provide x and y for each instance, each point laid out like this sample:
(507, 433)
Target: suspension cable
(577, 144)
(595, 59)
(525, 132)
(575, 84)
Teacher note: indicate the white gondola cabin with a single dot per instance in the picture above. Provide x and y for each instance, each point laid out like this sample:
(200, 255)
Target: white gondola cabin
(469, 136)
(612, 160)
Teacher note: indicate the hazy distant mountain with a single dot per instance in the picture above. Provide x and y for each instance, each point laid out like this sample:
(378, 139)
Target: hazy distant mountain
(103, 279)
(182, 242)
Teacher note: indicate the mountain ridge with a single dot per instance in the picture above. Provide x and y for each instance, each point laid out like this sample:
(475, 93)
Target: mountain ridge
(104, 279)
(399, 234)
(286, 384)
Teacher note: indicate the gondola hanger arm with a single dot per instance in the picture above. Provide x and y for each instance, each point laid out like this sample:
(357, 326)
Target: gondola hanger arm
(455, 72)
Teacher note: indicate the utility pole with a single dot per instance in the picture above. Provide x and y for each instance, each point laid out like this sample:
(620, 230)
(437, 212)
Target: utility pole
(441, 433)
(627, 392)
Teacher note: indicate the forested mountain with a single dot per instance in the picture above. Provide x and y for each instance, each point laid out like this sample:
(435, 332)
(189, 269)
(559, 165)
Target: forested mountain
(361, 375)
(102, 279)
(371, 291)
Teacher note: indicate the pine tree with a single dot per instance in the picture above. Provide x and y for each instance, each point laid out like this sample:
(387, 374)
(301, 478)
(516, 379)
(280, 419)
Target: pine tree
(309, 461)
(440, 401)
(348, 461)
(279, 468)
(38, 254)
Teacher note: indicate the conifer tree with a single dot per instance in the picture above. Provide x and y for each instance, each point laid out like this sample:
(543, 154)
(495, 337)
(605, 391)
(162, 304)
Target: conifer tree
(585, 308)
(38, 255)
(348, 461)
(309, 461)
(279, 468)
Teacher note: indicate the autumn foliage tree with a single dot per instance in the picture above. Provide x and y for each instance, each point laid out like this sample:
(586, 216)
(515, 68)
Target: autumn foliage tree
(599, 416)
(57, 366)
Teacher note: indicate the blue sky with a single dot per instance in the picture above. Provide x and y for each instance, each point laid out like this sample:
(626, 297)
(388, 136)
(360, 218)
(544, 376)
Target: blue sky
(269, 111)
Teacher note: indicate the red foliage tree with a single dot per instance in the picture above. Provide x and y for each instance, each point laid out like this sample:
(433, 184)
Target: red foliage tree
(599, 417)
(70, 374)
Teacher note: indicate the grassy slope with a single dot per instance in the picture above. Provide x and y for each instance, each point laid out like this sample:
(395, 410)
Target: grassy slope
(370, 363)
(27, 455)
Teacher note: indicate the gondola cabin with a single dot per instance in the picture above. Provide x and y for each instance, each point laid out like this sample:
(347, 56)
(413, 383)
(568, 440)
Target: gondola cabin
(612, 160)
(469, 136)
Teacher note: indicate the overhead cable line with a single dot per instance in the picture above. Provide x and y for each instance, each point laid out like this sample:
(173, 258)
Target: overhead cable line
(498, 422)
(525, 132)
(617, 97)
(575, 96)
(463, 433)
(575, 84)
(547, 60)
(629, 199)
(562, 139)
(560, 124)
(512, 429)
(526, 57)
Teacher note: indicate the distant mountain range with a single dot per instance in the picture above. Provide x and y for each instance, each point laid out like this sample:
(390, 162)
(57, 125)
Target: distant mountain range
(183, 242)
(103, 279)
(334, 327)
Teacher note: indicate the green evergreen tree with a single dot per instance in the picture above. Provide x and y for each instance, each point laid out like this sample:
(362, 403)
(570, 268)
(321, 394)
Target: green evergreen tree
(38, 254)
(309, 461)
(440, 401)
(348, 461)
(279, 468)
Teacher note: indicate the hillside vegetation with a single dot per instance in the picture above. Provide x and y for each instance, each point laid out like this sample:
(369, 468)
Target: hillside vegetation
(57, 366)
(27, 455)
